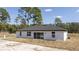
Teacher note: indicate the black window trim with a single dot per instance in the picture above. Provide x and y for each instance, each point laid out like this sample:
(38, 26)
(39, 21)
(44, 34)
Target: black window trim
(20, 33)
(53, 34)
(28, 33)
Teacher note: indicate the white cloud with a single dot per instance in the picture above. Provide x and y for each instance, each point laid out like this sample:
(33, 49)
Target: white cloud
(58, 16)
(48, 10)
(77, 10)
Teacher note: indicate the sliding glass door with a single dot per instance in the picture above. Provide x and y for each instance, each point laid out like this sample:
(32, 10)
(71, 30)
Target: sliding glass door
(38, 35)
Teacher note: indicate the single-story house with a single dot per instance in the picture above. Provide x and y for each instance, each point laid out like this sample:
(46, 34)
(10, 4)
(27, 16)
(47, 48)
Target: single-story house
(49, 32)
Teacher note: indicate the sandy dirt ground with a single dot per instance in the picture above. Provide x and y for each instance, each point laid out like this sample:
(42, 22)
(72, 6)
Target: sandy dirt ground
(17, 46)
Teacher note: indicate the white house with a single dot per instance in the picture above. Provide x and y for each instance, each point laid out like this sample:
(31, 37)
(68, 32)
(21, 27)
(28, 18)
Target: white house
(48, 32)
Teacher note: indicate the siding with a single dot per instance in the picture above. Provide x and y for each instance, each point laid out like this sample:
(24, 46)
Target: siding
(59, 35)
(48, 35)
(18, 34)
(65, 35)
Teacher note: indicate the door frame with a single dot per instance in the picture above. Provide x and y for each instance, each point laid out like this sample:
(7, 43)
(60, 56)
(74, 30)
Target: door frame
(38, 35)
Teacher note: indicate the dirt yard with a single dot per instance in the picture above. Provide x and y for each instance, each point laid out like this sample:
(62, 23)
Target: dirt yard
(71, 44)
(6, 45)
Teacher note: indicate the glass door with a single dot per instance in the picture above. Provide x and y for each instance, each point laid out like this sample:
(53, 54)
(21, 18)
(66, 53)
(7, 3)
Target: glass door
(38, 35)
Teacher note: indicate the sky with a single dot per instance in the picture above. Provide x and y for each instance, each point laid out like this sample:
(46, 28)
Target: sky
(67, 14)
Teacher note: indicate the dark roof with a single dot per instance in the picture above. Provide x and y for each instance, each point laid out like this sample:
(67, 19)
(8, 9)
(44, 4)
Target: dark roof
(43, 28)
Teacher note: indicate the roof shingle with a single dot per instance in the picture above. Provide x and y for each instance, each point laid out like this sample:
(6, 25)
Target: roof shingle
(43, 28)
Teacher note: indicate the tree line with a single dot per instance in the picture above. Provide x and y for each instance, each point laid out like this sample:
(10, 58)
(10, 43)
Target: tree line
(33, 14)
(71, 27)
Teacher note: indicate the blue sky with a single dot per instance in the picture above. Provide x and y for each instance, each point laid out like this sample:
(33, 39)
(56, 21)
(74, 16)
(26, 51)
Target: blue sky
(67, 14)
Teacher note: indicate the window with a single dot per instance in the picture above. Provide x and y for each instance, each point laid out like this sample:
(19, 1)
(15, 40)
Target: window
(20, 33)
(53, 34)
(28, 33)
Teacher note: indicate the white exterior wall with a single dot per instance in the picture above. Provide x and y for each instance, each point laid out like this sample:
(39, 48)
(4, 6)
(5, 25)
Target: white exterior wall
(65, 35)
(24, 34)
(48, 35)
(59, 35)
(17, 34)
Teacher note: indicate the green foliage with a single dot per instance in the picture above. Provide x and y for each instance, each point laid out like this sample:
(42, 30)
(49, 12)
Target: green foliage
(7, 27)
(71, 27)
(11, 28)
(4, 15)
(30, 13)
(3, 27)
(37, 18)
(23, 26)
(58, 21)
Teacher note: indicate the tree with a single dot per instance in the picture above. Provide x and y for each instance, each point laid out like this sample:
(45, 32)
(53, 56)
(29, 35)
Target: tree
(37, 18)
(24, 15)
(74, 27)
(4, 18)
(30, 13)
(58, 21)
(4, 15)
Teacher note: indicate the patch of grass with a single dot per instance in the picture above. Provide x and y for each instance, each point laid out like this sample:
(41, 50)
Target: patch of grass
(71, 44)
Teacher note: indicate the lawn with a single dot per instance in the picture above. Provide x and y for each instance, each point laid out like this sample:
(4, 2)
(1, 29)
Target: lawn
(71, 44)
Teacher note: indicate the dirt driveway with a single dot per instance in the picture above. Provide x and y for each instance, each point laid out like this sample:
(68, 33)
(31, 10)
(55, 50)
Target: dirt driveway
(17, 46)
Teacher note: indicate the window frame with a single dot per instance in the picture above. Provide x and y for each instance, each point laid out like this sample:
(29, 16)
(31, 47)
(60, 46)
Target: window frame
(20, 33)
(53, 34)
(28, 33)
